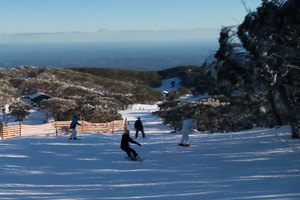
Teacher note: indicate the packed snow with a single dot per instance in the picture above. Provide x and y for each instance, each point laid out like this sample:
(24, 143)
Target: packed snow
(254, 164)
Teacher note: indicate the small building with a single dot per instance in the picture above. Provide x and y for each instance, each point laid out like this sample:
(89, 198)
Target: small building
(39, 96)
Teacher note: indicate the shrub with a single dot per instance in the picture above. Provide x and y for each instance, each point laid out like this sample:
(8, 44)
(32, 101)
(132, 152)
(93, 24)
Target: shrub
(19, 110)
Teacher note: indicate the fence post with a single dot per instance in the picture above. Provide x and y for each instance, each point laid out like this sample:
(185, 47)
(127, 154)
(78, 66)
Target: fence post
(125, 124)
(1, 130)
(20, 128)
(56, 128)
(113, 127)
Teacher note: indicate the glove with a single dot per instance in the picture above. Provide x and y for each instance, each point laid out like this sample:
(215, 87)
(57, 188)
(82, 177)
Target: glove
(138, 144)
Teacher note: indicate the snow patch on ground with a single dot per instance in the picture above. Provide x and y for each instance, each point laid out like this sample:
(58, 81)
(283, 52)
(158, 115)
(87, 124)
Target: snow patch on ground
(166, 85)
(192, 98)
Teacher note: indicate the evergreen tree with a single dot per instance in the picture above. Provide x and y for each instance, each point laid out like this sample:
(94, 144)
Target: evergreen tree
(60, 109)
(268, 60)
(19, 110)
(272, 37)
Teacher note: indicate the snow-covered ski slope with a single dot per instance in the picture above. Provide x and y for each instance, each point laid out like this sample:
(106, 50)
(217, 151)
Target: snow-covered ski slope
(256, 164)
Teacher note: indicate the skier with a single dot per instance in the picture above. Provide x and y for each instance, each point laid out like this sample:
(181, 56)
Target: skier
(125, 146)
(187, 128)
(138, 125)
(73, 127)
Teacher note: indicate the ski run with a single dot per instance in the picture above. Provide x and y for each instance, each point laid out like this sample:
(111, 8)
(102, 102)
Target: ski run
(253, 164)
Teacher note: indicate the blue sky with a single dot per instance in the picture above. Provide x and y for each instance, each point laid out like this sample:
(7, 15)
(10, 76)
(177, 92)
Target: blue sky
(117, 20)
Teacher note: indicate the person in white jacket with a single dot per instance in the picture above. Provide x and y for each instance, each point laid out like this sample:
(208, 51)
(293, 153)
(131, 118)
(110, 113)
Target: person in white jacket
(187, 128)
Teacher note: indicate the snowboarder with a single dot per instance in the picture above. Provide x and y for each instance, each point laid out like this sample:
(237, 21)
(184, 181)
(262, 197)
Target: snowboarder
(73, 127)
(187, 128)
(125, 146)
(138, 125)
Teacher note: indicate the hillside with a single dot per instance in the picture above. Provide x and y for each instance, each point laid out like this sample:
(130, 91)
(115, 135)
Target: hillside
(94, 94)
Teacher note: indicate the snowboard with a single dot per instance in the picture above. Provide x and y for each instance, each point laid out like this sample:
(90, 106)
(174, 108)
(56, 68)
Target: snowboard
(73, 139)
(184, 145)
(139, 159)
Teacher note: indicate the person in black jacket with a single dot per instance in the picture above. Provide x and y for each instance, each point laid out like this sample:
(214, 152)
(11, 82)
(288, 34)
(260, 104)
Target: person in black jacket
(138, 125)
(125, 145)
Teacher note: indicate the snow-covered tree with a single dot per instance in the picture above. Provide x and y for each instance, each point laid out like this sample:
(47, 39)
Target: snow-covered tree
(7, 92)
(59, 108)
(262, 56)
(272, 37)
(19, 110)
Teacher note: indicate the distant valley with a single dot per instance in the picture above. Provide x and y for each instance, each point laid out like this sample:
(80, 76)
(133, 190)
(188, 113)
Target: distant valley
(123, 55)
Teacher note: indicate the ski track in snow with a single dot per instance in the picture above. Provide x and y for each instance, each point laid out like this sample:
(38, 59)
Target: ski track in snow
(255, 164)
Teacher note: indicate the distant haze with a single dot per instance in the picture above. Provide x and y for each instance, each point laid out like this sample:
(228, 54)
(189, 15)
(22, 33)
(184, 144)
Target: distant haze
(111, 34)
(125, 55)
(53, 21)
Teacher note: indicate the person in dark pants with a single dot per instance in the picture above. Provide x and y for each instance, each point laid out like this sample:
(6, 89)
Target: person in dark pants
(138, 125)
(125, 145)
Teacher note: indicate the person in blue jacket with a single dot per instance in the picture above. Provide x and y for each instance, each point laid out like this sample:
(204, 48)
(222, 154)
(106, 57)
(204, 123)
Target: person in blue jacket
(73, 127)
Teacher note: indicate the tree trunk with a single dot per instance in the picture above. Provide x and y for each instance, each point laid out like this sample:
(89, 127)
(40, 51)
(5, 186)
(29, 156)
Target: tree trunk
(270, 97)
(292, 115)
(295, 129)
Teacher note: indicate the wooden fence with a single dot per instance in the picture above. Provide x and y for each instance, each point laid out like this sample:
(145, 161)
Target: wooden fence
(59, 128)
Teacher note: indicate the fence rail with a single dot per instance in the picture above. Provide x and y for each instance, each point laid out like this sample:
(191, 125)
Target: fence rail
(58, 128)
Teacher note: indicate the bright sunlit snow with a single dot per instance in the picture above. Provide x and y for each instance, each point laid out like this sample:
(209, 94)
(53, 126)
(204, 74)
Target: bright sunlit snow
(173, 84)
(254, 164)
(258, 164)
(169, 85)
